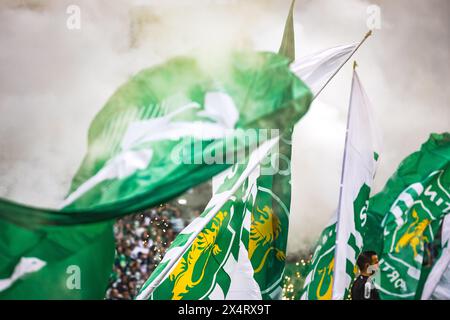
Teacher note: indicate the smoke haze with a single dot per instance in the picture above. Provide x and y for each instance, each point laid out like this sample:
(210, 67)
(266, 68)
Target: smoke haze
(54, 80)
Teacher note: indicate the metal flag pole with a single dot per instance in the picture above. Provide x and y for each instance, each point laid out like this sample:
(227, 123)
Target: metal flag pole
(368, 34)
(341, 186)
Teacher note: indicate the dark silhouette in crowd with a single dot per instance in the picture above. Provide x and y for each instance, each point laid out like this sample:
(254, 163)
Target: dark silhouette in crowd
(363, 287)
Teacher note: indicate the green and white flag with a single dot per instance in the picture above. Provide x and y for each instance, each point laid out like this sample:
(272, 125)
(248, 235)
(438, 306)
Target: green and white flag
(407, 215)
(332, 265)
(237, 248)
(256, 267)
(173, 125)
(166, 130)
(55, 262)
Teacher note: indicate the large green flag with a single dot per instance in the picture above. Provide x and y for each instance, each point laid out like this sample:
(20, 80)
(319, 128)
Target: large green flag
(406, 216)
(287, 47)
(166, 130)
(202, 261)
(68, 262)
(171, 122)
(249, 217)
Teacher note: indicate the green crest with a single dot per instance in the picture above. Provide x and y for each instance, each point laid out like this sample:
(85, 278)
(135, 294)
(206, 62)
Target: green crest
(409, 228)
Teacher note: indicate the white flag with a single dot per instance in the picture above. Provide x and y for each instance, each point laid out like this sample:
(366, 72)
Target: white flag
(358, 170)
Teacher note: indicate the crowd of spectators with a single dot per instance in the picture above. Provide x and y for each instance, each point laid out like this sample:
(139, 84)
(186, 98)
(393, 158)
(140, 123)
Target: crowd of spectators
(141, 242)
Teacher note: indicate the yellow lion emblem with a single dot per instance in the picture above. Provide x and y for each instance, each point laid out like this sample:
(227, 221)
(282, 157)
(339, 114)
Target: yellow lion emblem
(204, 244)
(265, 230)
(414, 234)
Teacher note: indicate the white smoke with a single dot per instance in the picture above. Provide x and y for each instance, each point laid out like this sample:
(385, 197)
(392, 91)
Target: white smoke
(405, 71)
(54, 80)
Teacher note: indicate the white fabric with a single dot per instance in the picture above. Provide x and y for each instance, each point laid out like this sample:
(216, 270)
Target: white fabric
(119, 167)
(219, 108)
(358, 169)
(243, 285)
(316, 69)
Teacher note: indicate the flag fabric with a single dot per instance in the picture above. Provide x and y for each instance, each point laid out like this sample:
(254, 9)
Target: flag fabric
(151, 141)
(408, 215)
(213, 257)
(182, 113)
(317, 69)
(267, 240)
(236, 250)
(113, 180)
(437, 285)
(148, 144)
(255, 270)
(70, 262)
(287, 47)
(332, 265)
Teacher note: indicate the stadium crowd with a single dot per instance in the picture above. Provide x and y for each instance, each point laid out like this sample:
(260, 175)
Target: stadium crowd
(141, 242)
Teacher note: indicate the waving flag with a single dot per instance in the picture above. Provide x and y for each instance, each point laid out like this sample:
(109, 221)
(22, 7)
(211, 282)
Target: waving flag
(210, 259)
(149, 143)
(332, 265)
(407, 215)
(258, 262)
(164, 131)
(237, 249)
(144, 136)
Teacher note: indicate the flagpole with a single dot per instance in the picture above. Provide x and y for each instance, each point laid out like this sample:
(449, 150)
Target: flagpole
(368, 34)
(341, 187)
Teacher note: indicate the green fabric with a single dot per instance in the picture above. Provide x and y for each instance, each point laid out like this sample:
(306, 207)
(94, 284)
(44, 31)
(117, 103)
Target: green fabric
(406, 215)
(87, 247)
(270, 225)
(256, 217)
(266, 95)
(319, 280)
(265, 92)
(201, 267)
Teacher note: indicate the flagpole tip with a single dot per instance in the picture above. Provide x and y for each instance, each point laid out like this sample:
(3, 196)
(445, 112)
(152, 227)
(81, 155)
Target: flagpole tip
(355, 65)
(368, 34)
